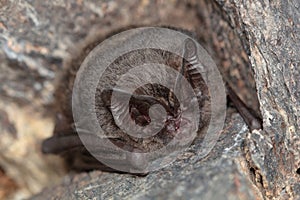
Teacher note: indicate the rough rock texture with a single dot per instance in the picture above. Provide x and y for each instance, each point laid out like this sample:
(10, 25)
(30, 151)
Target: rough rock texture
(272, 29)
(37, 37)
(224, 174)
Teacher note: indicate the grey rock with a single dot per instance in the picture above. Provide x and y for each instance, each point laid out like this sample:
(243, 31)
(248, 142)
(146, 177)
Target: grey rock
(223, 174)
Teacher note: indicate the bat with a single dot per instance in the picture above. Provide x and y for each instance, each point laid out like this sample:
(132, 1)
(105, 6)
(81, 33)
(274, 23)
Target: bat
(67, 143)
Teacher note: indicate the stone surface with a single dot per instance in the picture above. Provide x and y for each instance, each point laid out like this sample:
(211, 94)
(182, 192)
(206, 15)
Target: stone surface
(272, 29)
(224, 174)
(21, 131)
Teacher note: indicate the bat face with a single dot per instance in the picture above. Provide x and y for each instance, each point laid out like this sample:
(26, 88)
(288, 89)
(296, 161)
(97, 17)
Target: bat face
(142, 113)
(139, 111)
(146, 96)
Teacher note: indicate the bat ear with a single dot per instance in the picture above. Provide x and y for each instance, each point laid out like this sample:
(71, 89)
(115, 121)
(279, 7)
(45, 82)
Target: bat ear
(118, 107)
(188, 58)
(190, 49)
(121, 96)
(138, 106)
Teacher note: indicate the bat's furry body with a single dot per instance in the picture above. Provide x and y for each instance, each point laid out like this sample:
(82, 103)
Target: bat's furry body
(65, 140)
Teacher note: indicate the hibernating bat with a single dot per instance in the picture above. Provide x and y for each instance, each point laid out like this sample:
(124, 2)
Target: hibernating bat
(65, 140)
